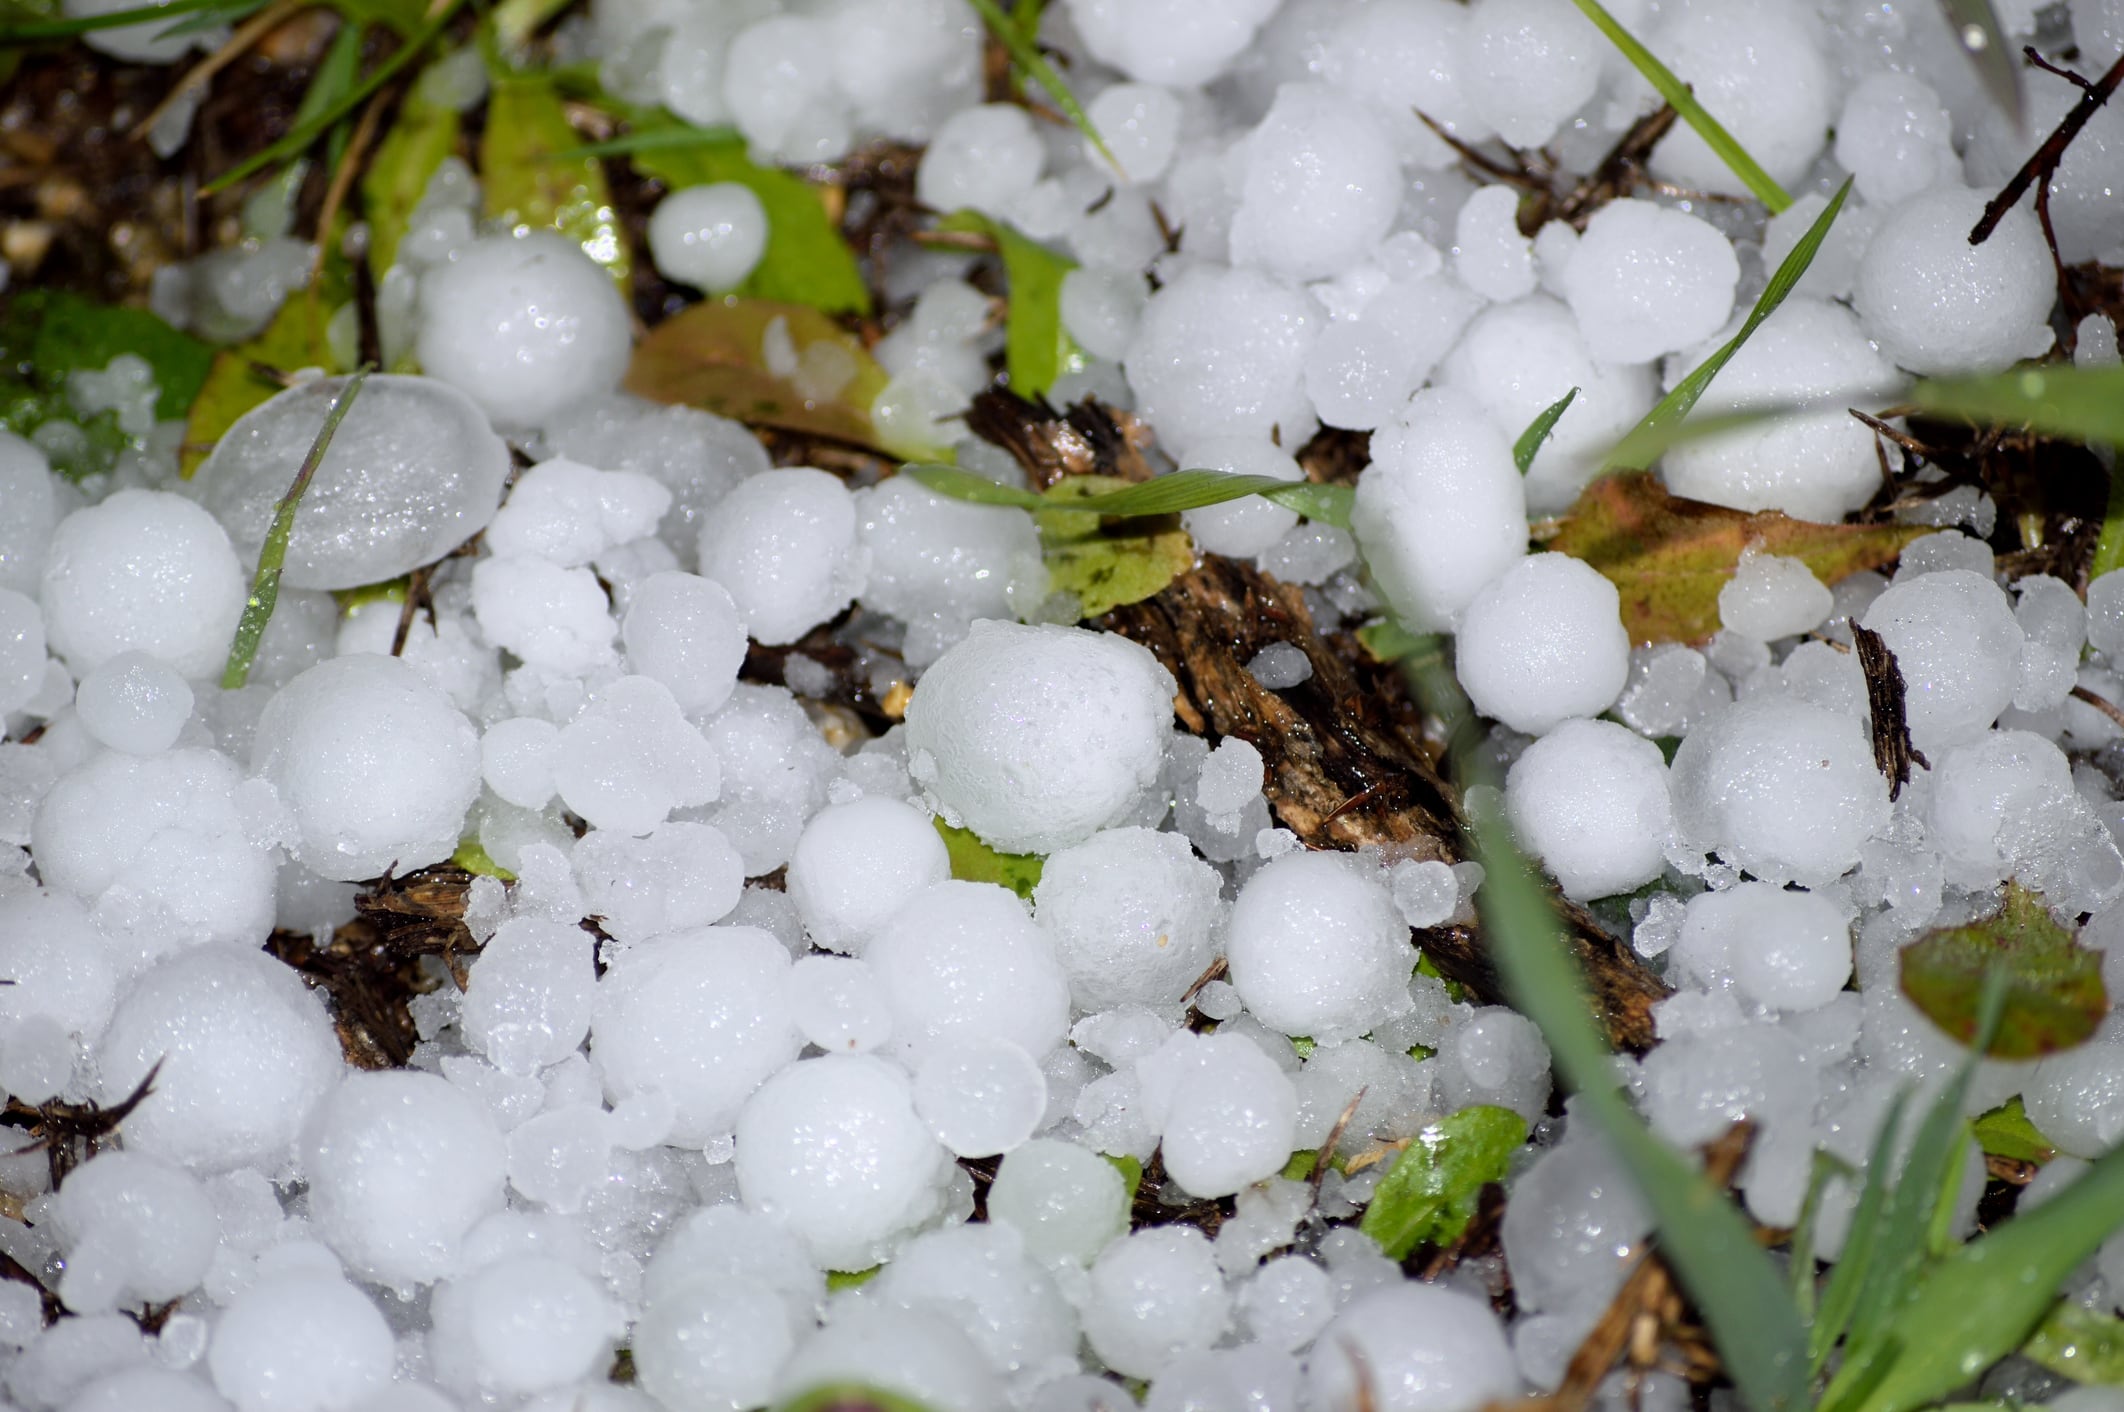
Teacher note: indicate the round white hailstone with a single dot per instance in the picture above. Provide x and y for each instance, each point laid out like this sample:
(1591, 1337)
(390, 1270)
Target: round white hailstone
(1441, 511)
(1526, 66)
(1977, 786)
(984, 158)
(1517, 360)
(568, 513)
(1781, 788)
(1760, 71)
(1177, 42)
(553, 618)
(1402, 59)
(1249, 525)
(778, 81)
(1497, 1057)
(1418, 1348)
(1317, 948)
(712, 1346)
(980, 1097)
(2053, 624)
(60, 968)
(1036, 737)
(401, 1165)
(701, 1017)
(962, 962)
(1287, 1302)
(937, 564)
(413, 471)
(1894, 138)
(527, 1004)
(523, 1324)
(1958, 648)
(1155, 1295)
(146, 42)
(727, 1246)
(1132, 912)
(1784, 950)
(1064, 1200)
(160, 1388)
(1102, 308)
(300, 1341)
(1589, 799)
(981, 1278)
(858, 863)
(784, 544)
(833, 1149)
(143, 570)
(711, 237)
(375, 765)
(1772, 596)
(2077, 1098)
(137, 1228)
(1646, 280)
(1222, 353)
(1811, 465)
(631, 757)
(1489, 254)
(1233, 1114)
(1319, 185)
(524, 326)
(919, 1354)
(1543, 644)
(1140, 123)
(22, 650)
(1937, 304)
(516, 760)
(132, 702)
(26, 490)
(1360, 371)
(1573, 1226)
(245, 1050)
(681, 875)
(684, 631)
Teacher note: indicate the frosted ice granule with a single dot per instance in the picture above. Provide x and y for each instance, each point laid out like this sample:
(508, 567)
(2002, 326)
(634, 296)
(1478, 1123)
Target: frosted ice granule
(1543, 643)
(1590, 800)
(1937, 304)
(1646, 280)
(143, 570)
(784, 545)
(1318, 949)
(711, 237)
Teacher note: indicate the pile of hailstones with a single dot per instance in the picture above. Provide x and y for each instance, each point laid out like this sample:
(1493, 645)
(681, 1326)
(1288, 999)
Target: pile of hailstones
(666, 1141)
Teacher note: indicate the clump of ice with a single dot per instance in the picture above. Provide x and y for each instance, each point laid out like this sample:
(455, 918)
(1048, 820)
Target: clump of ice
(1140, 123)
(1154, 1295)
(784, 544)
(711, 237)
(1772, 596)
(938, 564)
(1318, 185)
(134, 703)
(984, 158)
(146, 571)
(1958, 649)
(1132, 914)
(1543, 643)
(1895, 138)
(1758, 69)
(1249, 525)
(1778, 949)
(1065, 1201)
(136, 1228)
(1168, 41)
(961, 962)
(631, 757)
(528, 1002)
(568, 513)
(1317, 948)
(1227, 1114)
(1646, 280)
(1221, 352)
(697, 455)
(1526, 65)
(1937, 304)
(1421, 1348)
(1402, 60)
(1590, 800)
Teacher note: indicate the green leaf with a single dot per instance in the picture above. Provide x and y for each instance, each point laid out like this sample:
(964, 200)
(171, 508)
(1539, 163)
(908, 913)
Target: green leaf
(295, 339)
(1131, 1176)
(472, 856)
(1037, 350)
(525, 187)
(1528, 446)
(1642, 445)
(974, 861)
(851, 1279)
(1386, 640)
(2054, 399)
(2054, 993)
(1026, 55)
(848, 1397)
(806, 261)
(1108, 561)
(1692, 112)
(2109, 548)
(2006, 1132)
(1429, 1194)
(405, 162)
(44, 30)
(2076, 1342)
(1301, 1165)
(1997, 60)
(401, 17)
(74, 334)
(1161, 495)
(652, 133)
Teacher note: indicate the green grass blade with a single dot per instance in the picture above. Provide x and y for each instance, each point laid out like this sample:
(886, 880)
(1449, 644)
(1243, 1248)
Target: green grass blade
(1529, 444)
(1848, 1276)
(1637, 450)
(1164, 495)
(41, 31)
(273, 555)
(1037, 349)
(2109, 549)
(2086, 1345)
(956, 484)
(649, 139)
(2055, 399)
(1825, 1167)
(1997, 60)
(1692, 112)
(1027, 56)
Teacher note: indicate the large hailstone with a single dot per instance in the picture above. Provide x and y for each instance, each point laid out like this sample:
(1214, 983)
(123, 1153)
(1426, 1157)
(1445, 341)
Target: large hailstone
(1544, 643)
(1759, 69)
(1319, 949)
(1421, 1348)
(1646, 280)
(1222, 353)
(1959, 651)
(413, 471)
(1177, 42)
(1937, 304)
(1590, 800)
(1038, 737)
(1319, 185)
(144, 570)
(784, 543)
(961, 962)
(1133, 913)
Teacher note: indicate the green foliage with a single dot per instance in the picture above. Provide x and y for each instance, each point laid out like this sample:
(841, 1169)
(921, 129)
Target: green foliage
(974, 861)
(2053, 399)
(54, 27)
(1430, 1193)
(1108, 560)
(847, 1397)
(2006, 1132)
(2054, 993)
(1019, 43)
(1530, 441)
(1131, 1175)
(851, 1279)
(2086, 1345)
(45, 335)
(405, 162)
(526, 185)
(1037, 350)
(472, 856)
(1163, 495)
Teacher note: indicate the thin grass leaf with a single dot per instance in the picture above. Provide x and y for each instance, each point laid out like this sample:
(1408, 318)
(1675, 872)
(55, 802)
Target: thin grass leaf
(265, 587)
(1027, 56)
(1637, 450)
(1165, 495)
(1530, 441)
(1676, 92)
(1998, 63)
(1037, 349)
(649, 139)
(1848, 1276)
(1827, 1166)
(955, 484)
(212, 19)
(41, 31)
(2055, 399)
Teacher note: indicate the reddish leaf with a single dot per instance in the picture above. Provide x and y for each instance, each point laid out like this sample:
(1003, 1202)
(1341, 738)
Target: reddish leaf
(2054, 993)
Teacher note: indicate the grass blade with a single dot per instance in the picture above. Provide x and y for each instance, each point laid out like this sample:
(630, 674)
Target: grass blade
(1027, 56)
(649, 139)
(1997, 61)
(2055, 399)
(40, 31)
(1037, 349)
(1826, 1168)
(1637, 450)
(955, 484)
(1529, 444)
(1848, 1276)
(1165, 495)
(265, 587)
(1692, 112)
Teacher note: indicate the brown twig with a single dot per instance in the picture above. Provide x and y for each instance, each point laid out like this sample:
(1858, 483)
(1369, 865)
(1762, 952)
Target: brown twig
(2100, 703)
(2044, 163)
(1334, 1140)
(416, 589)
(250, 32)
(1893, 754)
(343, 177)
(1488, 166)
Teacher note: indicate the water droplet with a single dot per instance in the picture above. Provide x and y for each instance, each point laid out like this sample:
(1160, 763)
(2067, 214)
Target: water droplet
(1974, 39)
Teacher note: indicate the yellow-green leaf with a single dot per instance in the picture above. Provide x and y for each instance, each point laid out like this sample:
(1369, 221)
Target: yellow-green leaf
(295, 339)
(472, 856)
(525, 187)
(1429, 1194)
(2076, 1342)
(1109, 562)
(1037, 350)
(406, 160)
(2006, 1132)
(974, 861)
(848, 1397)
(2054, 992)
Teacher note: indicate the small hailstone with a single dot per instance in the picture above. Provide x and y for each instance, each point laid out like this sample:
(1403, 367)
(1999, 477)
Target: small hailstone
(1895, 138)
(980, 1097)
(302, 1340)
(1958, 648)
(163, 1389)
(1231, 776)
(1646, 280)
(1230, 1114)
(1937, 304)
(23, 663)
(1590, 800)
(712, 1345)
(1426, 892)
(631, 757)
(552, 618)
(1280, 665)
(143, 570)
(835, 1002)
(1222, 353)
(1544, 643)
(1141, 125)
(1659, 929)
(700, 1016)
(711, 237)
(784, 544)
(919, 1355)
(245, 1050)
(375, 766)
(778, 82)
(985, 158)
(527, 1004)
(524, 325)
(1420, 1348)
(568, 513)
(983, 1279)
(1830, 273)
(2077, 1099)
(1132, 913)
(1401, 59)
(684, 631)
(26, 487)
(1154, 1295)
(1037, 737)
(2105, 615)
(1760, 70)
(135, 703)
(1101, 308)
(857, 863)
(2095, 342)
(1489, 254)
(1247, 526)
(1495, 1056)
(1181, 43)
(1779, 949)
(1979, 785)
(1771, 596)
(137, 1229)
(522, 1324)
(516, 760)
(1065, 1201)
(2053, 625)
(937, 564)
(833, 1148)
(1526, 66)
(1319, 185)
(1317, 948)
(961, 961)
(1573, 1225)
(679, 875)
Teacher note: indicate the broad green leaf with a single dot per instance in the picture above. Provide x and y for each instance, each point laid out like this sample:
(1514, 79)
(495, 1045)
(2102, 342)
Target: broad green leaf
(522, 184)
(1037, 350)
(405, 162)
(1024, 52)
(46, 335)
(974, 861)
(2054, 992)
(472, 856)
(1162, 495)
(1530, 441)
(1131, 1175)
(1107, 561)
(1692, 112)
(806, 261)
(2076, 1342)
(1642, 445)
(847, 1397)
(2054, 399)
(1430, 1192)
(1997, 60)
(2006, 1132)
(1669, 557)
(296, 339)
